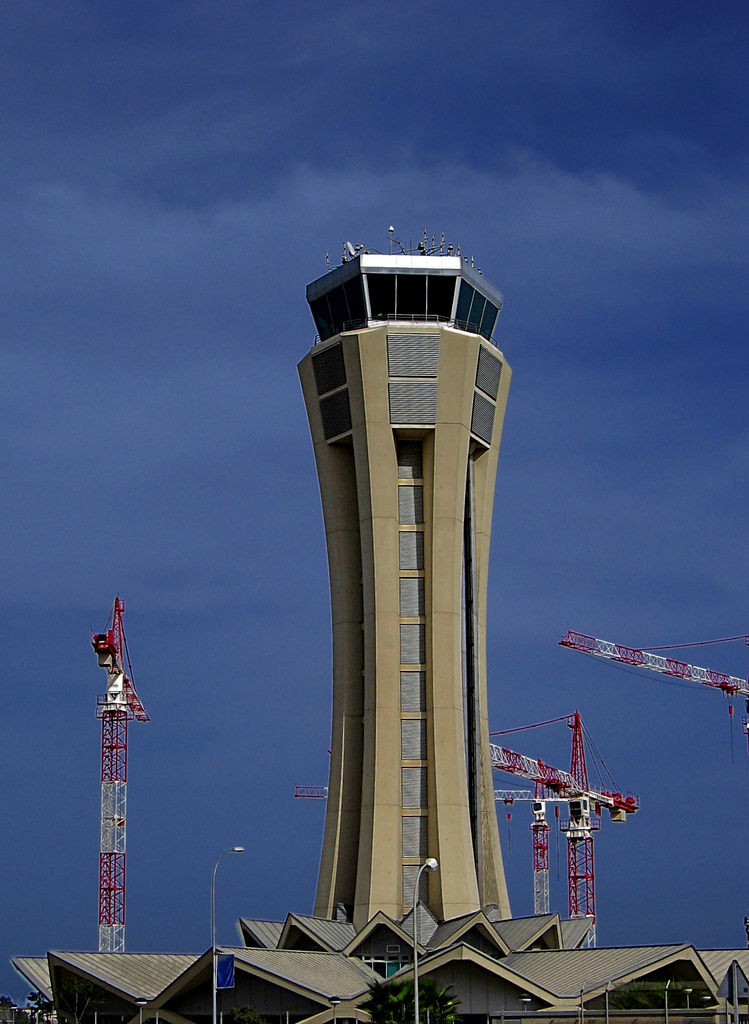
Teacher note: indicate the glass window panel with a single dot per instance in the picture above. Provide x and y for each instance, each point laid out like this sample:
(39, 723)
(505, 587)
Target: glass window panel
(323, 319)
(477, 310)
(488, 319)
(440, 292)
(411, 297)
(355, 297)
(464, 303)
(338, 308)
(381, 289)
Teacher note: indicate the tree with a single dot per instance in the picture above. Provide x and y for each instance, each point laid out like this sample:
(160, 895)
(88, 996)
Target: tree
(442, 1003)
(77, 996)
(41, 1008)
(244, 1015)
(393, 1003)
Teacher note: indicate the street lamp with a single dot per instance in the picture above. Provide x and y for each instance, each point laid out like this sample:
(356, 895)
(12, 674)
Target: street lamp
(430, 864)
(234, 849)
(140, 1003)
(334, 1001)
(688, 992)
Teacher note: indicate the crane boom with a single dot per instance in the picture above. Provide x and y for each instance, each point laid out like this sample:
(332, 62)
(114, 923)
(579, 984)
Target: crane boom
(560, 782)
(730, 685)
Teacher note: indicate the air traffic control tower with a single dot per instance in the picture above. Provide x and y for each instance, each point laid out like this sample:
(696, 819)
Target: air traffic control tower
(405, 392)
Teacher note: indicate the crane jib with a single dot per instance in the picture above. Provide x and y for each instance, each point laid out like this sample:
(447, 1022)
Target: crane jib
(560, 782)
(730, 685)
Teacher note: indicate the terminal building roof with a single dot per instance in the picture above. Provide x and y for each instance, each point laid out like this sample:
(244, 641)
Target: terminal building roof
(303, 965)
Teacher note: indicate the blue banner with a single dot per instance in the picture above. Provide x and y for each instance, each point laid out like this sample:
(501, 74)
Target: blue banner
(225, 971)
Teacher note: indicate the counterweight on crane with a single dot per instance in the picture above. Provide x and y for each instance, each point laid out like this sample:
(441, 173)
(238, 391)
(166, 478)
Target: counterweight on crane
(572, 787)
(115, 708)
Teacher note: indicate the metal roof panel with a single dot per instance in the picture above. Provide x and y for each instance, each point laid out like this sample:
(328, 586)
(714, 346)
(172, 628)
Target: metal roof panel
(135, 975)
(565, 971)
(267, 933)
(518, 932)
(35, 970)
(326, 974)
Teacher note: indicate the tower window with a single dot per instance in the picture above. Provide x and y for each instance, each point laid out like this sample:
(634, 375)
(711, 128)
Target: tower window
(440, 292)
(411, 295)
(381, 295)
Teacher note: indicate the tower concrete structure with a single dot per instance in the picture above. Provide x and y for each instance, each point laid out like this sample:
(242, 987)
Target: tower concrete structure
(405, 393)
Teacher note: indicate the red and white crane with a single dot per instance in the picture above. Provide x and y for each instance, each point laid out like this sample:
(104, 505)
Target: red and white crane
(730, 685)
(540, 829)
(115, 708)
(572, 787)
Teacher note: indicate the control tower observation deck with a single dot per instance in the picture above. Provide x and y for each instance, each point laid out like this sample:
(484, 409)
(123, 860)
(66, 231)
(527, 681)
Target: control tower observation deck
(405, 394)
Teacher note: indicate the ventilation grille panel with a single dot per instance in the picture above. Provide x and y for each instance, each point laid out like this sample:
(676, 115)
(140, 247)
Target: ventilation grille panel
(413, 403)
(488, 373)
(411, 554)
(409, 460)
(411, 505)
(413, 644)
(329, 369)
(336, 414)
(414, 788)
(412, 597)
(414, 837)
(413, 355)
(482, 420)
(413, 739)
(410, 874)
(413, 691)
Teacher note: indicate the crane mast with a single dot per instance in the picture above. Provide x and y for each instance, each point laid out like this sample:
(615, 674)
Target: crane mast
(115, 708)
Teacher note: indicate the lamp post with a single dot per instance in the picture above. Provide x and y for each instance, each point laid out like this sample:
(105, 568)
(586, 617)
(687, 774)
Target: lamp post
(334, 1001)
(234, 849)
(525, 1000)
(140, 1003)
(665, 998)
(688, 992)
(430, 864)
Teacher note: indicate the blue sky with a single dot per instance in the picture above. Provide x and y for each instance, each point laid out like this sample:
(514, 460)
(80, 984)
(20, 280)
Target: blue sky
(172, 175)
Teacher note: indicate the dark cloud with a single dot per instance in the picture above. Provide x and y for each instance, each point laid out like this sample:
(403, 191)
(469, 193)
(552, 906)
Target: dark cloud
(172, 176)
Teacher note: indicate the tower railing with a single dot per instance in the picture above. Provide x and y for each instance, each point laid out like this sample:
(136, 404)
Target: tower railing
(407, 318)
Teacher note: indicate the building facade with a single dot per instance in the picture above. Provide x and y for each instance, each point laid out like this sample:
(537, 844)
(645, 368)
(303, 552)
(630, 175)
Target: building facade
(405, 394)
